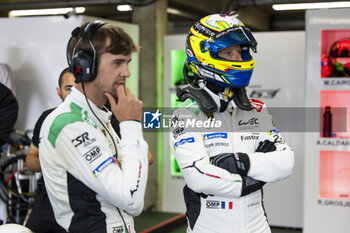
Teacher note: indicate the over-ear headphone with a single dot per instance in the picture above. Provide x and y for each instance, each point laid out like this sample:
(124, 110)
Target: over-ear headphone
(83, 64)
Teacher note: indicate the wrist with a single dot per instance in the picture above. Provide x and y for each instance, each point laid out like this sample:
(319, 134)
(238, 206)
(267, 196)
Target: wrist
(243, 163)
(130, 129)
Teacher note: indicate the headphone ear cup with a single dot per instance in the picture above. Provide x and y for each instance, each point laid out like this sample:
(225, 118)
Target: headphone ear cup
(82, 66)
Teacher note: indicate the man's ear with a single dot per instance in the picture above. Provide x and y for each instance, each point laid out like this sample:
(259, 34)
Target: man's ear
(58, 92)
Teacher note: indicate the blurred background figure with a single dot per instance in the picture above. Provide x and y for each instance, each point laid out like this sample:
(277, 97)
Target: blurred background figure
(8, 112)
(6, 77)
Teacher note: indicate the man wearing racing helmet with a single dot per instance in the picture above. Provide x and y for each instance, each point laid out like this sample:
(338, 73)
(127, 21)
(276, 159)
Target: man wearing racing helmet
(226, 167)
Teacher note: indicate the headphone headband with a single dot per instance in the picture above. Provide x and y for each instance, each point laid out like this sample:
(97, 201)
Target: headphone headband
(91, 29)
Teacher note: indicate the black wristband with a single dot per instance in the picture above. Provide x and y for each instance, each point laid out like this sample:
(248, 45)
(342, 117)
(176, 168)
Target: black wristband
(243, 163)
(250, 185)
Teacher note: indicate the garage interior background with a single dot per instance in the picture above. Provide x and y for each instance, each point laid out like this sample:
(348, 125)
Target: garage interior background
(153, 23)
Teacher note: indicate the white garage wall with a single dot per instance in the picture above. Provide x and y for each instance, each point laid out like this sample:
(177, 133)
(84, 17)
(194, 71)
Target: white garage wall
(35, 49)
(280, 65)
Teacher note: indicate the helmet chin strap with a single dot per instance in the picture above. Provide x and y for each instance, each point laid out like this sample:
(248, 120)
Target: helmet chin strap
(225, 97)
(226, 94)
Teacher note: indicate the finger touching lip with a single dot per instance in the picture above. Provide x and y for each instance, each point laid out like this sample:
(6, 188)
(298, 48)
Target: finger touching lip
(115, 86)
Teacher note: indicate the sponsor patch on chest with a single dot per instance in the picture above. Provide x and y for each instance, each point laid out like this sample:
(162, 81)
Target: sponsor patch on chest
(212, 204)
(214, 135)
(83, 139)
(250, 137)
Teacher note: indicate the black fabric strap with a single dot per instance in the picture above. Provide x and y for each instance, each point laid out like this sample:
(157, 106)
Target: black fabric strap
(200, 96)
(250, 185)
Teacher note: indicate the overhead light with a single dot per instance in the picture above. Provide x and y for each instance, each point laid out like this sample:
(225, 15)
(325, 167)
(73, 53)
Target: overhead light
(305, 6)
(180, 13)
(53, 11)
(124, 8)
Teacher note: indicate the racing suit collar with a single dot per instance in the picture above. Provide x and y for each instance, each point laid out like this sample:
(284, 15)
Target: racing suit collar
(217, 100)
(103, 114)
(214, 96)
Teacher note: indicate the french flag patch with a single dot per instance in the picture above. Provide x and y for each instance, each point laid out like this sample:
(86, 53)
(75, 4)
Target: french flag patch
(226, 205)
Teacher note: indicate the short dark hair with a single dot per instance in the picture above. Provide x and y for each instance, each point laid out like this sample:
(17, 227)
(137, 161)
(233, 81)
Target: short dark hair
(60, 79)
(121, 42)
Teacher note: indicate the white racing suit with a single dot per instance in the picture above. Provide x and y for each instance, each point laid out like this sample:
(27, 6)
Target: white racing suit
(217, 198)
(85, 186)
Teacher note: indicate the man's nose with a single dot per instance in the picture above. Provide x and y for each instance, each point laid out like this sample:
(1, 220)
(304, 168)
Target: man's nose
(237, 56)
(125, 71)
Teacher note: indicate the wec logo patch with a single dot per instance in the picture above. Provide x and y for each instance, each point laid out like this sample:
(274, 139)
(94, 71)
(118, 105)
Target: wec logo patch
(252, 121)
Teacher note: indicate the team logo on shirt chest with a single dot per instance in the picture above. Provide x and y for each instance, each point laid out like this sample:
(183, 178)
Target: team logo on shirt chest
(251, 121)
(83, 139)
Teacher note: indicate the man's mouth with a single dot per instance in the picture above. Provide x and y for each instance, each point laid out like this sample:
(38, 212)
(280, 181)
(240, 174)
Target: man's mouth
(119, 83)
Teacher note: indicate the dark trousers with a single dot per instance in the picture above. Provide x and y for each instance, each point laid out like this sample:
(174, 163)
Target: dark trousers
(42, 219)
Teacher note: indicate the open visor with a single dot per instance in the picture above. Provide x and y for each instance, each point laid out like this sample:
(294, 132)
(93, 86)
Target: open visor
(229, 37)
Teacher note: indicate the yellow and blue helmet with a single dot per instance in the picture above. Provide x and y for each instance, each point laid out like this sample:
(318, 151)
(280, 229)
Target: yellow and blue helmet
(212, 34)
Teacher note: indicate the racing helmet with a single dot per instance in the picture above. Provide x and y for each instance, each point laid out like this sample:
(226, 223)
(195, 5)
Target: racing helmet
(210, 35)
(339, 55)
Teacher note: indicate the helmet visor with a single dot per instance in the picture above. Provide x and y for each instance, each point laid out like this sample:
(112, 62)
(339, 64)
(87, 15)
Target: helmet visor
(229, 37)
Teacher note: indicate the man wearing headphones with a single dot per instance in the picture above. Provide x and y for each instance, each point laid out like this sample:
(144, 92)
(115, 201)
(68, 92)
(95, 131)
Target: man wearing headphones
(95, 180)
(41, 219)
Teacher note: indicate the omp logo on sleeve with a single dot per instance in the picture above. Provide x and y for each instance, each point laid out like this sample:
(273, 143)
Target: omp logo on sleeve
(83, 138)
(92, 154)
(183, 141)
(178, 131)
(102, 166)
(214, 135)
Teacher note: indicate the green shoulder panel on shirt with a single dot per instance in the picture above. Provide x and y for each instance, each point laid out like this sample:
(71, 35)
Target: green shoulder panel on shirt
(63, 119)
(191, 105)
